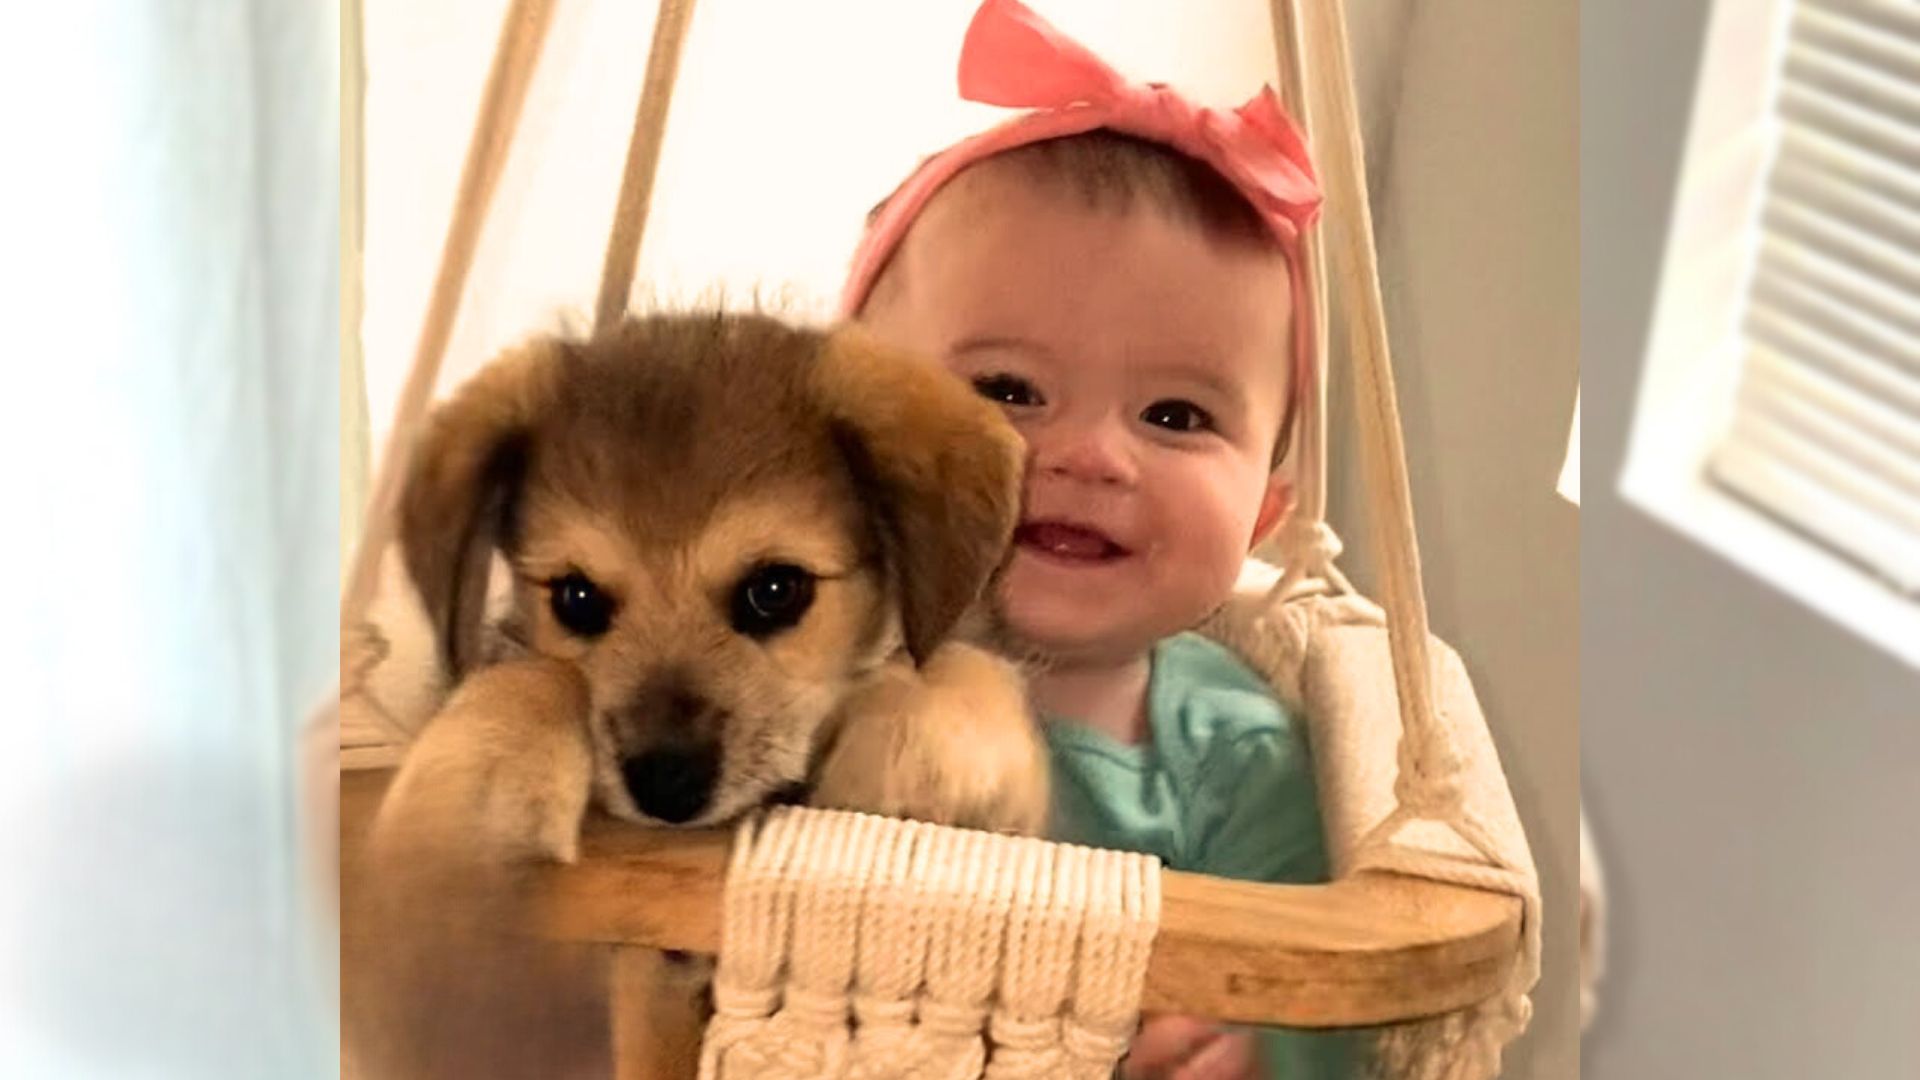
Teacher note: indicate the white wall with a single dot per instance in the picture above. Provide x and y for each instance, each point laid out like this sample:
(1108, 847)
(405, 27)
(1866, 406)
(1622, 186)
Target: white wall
(789, 122)
(1750, 766)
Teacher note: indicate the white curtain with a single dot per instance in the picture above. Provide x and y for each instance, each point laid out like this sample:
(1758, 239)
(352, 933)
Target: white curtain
(169, 439)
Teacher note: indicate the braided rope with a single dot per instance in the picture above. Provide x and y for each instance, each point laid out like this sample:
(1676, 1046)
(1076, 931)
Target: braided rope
(757, 912)
(1037, 974)
(886, 1041)
(1116, 939)
(1033, 962)
(1432, 774)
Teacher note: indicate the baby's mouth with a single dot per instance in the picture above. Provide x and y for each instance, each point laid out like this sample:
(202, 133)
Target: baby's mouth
(1069, 542)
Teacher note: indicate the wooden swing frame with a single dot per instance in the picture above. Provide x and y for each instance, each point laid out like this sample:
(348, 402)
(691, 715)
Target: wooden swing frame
(1370, 949)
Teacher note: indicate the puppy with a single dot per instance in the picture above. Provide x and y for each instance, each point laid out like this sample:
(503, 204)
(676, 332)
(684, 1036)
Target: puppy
(739, 551)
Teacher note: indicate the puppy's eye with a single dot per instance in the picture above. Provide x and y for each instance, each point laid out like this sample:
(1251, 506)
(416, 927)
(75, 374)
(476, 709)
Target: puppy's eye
(580, 605)
(1176, 415)
(1006, 390)
(771, 598)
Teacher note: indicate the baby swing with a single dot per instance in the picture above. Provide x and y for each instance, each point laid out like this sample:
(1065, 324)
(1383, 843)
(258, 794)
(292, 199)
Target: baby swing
(979, 955)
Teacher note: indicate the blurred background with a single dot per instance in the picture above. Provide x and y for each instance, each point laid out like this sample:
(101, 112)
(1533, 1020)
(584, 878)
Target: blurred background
(1750, 715)
(169, 439)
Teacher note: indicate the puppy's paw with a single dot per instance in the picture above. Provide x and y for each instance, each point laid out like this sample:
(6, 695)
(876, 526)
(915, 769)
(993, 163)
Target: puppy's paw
(502, 775)
(438, 980)
(952, 742)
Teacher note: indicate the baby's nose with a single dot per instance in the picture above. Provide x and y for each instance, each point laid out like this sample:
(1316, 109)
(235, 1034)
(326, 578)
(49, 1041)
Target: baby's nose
(1094, 452)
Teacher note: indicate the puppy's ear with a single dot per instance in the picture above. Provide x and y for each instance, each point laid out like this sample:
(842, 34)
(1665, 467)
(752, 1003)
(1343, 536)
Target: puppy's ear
(463, 486)
(940, 467)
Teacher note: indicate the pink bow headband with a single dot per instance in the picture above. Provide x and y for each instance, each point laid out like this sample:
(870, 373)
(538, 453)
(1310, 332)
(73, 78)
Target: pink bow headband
(1015, 58)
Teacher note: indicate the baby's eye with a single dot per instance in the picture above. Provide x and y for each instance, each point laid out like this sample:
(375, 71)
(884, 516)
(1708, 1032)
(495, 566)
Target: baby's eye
(1006, 390)
(1177, 415)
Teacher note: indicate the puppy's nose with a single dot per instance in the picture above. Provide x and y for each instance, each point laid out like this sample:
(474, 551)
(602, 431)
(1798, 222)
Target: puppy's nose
(673, 784)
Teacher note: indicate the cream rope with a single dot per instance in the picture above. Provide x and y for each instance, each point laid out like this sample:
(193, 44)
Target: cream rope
(893, 956)
(1307, 543)
(1428, 785)
(1116, 939)
(1035, 953)
(756, 914)
(521, 34)
(643, 162)
(963, 956)
(1037, 973)
(1431, 773)
(1384, 456)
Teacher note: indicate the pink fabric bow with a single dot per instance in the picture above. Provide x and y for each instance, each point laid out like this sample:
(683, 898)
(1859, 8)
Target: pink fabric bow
(1015, 58)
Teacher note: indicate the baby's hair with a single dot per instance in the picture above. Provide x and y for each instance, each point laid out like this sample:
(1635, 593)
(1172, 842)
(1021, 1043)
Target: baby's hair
(1110, 171)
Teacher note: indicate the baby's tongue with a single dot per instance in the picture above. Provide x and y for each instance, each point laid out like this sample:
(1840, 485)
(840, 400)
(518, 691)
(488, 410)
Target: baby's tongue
(1066, 541)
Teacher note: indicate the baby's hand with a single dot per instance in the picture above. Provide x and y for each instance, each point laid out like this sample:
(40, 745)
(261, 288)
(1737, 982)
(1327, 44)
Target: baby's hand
(1171, 1047)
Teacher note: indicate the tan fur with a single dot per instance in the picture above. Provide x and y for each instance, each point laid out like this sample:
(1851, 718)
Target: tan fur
(430, 986)
(446, 542)
(664, 461)
(901, 733)
(948, 498)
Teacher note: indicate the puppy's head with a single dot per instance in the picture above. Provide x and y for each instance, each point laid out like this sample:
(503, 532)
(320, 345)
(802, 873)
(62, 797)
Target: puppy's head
(722, 521)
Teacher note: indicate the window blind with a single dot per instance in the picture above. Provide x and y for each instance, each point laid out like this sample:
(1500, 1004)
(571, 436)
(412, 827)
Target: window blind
(1825, 431)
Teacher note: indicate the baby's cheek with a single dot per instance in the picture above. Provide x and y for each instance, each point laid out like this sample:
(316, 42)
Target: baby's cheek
(1225, 507)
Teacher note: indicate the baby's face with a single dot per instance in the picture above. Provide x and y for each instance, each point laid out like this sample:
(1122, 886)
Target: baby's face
(1144, 363)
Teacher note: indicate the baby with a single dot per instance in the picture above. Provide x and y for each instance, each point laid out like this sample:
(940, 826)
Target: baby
(1119, 270)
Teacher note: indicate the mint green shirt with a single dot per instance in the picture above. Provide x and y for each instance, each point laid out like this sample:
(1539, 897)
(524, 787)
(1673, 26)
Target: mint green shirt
(1223, 786)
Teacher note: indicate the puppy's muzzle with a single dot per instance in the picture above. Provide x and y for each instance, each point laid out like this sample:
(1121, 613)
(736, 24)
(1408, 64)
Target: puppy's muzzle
(673, 784)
